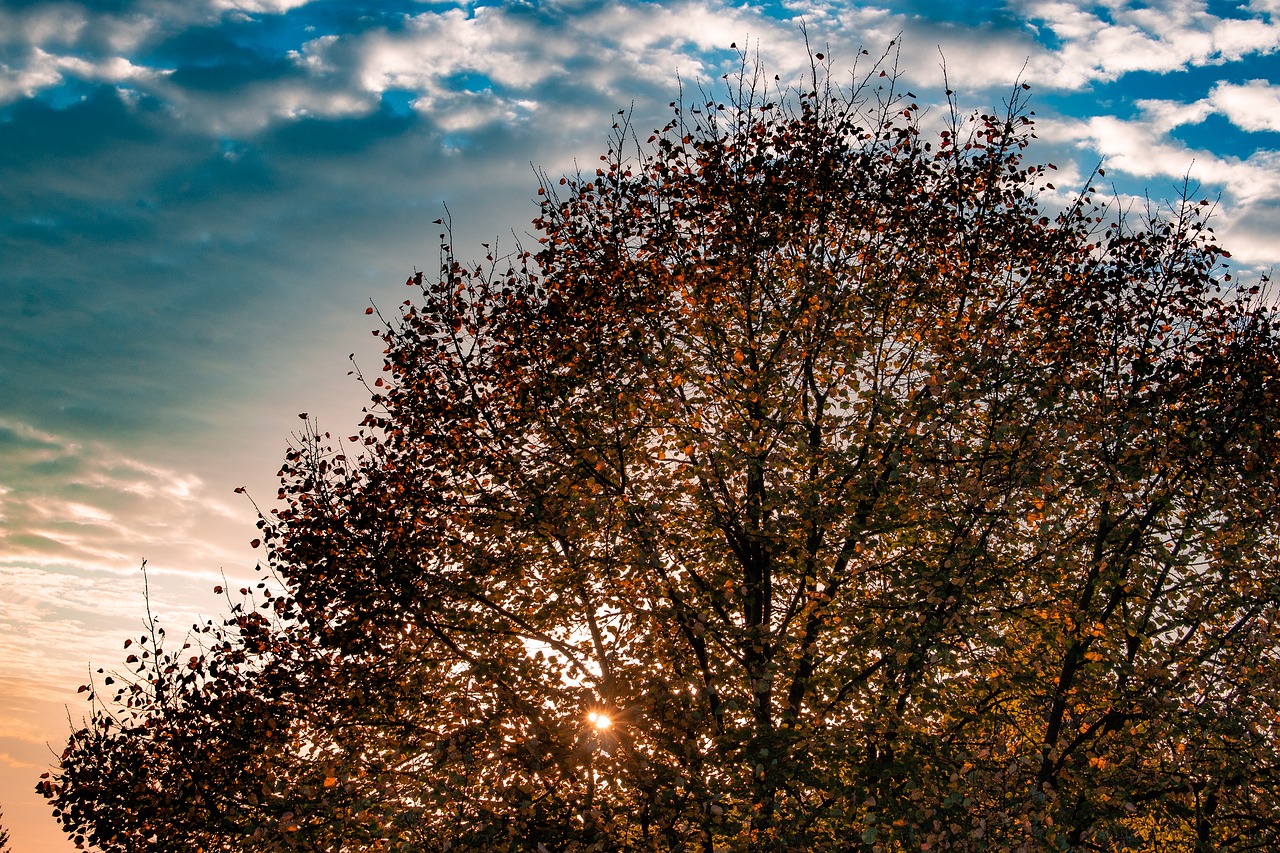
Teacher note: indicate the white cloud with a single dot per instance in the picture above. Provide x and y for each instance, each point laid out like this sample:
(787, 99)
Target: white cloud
(1254, 105)
(257, 7)
(1249, 231)
(43, 25)
(1141, 149)
(1251, 106)
(44, 70)
(115, 69)
(1164, 116)
(1159, 37)
(609, 48)
(600, 50)
(39, 72)
(1248, 215)
(613, 50)
(68, 29)
(61, 39)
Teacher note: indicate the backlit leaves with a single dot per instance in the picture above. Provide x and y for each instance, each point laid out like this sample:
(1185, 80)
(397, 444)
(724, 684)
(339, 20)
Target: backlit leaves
(873, 505)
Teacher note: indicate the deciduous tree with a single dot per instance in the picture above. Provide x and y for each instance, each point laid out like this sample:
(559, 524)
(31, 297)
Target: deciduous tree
(814, 483)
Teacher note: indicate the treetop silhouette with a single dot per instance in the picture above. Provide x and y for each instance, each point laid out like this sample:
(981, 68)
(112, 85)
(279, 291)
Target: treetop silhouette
(808, 485)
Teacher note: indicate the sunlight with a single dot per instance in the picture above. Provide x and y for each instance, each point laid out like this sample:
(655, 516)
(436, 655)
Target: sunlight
(600, 720)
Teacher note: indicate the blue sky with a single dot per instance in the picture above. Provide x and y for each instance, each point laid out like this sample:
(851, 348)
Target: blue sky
(198, 199)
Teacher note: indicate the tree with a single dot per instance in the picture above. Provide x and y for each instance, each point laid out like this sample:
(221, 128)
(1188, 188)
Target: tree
(808, 487)
(4, 837)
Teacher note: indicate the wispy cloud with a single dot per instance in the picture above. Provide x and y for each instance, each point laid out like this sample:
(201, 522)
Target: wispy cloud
(69, 503)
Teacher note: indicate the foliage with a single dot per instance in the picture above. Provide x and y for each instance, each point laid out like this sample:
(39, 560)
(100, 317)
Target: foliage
(874, 506)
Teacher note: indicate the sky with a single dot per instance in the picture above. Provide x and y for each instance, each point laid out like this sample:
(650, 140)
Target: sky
(199, 198)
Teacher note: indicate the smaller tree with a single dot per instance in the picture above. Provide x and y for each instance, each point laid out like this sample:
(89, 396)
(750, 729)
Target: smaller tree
(208, 744)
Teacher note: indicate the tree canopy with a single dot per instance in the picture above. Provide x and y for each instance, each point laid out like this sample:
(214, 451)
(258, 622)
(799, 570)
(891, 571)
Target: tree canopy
(812, 483)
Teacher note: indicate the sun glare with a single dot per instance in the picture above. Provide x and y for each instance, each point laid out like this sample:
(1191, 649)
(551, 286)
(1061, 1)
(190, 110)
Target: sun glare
(600, 720)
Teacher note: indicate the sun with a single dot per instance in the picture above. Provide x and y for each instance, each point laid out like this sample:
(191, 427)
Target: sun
(600, 720)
